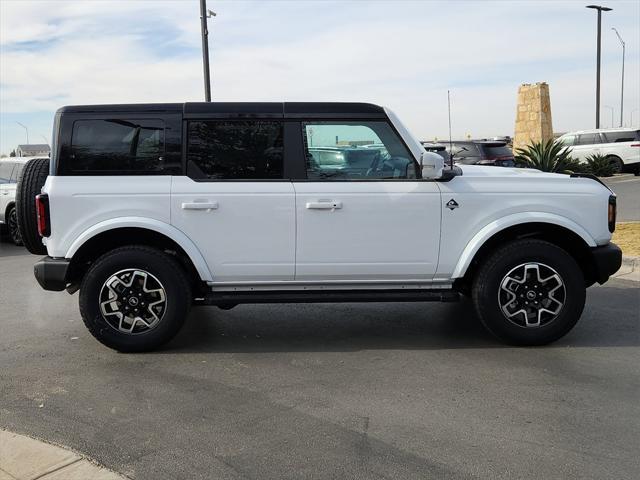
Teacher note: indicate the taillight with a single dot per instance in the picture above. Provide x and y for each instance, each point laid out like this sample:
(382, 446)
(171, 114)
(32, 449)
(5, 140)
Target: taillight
(612, 213)
(42, 213)
(635, 144)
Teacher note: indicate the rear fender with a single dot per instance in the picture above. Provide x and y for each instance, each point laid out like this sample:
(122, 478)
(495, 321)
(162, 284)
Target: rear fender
(150, 224)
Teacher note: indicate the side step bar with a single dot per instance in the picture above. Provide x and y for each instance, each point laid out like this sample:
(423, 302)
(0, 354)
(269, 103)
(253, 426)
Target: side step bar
(231, 299)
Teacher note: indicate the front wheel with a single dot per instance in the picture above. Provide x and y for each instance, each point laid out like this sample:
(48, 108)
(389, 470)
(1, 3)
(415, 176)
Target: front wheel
(135, 298)
(529, 292)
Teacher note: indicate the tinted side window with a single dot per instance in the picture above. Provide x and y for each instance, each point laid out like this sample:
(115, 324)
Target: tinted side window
(588, 139)
(617, 137)
(5, 171)
(235, 150)
(117, 146)
(16, 171)
(355, 151)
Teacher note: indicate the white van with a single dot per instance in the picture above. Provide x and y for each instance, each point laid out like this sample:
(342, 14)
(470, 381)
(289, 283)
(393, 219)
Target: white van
(620, 145)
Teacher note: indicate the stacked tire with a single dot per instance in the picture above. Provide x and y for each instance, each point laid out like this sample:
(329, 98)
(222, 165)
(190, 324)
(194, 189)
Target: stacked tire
(30, 183)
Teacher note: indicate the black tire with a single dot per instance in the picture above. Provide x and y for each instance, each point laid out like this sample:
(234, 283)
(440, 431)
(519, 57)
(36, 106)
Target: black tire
(510, 257)
(616, 163)
(12, 226)
(30, 183)
(162, 268)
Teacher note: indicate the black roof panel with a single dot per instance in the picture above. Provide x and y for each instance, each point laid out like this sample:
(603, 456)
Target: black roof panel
(123, 107)
(242, 109)
(234, 108)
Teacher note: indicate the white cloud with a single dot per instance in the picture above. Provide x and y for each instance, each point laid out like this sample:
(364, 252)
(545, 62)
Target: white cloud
(401, 54)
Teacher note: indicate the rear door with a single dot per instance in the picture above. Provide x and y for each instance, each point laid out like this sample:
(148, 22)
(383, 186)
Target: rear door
(375, 223)
(623, 144)
(234, 203)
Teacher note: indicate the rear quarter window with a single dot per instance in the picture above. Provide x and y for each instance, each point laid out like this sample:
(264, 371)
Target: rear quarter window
(619, 137)
(119, 146)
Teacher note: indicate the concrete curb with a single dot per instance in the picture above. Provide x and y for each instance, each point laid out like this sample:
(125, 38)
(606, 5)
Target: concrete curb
(630, 269)
(25, 458)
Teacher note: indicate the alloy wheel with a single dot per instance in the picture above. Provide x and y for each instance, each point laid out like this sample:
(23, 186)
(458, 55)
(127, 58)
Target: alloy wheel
(133, 301)
(531, 295)
(14, 231)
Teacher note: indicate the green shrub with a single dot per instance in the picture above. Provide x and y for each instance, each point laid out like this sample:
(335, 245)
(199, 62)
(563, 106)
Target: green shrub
(599, 165)
(549, 156)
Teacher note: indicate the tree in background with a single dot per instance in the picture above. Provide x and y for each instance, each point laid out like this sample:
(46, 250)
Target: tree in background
(13, 153)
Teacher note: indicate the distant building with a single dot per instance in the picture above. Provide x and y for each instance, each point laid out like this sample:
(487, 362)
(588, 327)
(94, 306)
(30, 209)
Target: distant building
(33, 150)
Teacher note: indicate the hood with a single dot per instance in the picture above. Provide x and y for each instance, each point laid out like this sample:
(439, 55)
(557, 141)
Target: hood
(490, 171)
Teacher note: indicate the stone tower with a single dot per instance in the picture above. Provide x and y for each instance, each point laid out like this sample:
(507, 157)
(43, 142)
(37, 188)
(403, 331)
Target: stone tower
(533, 117)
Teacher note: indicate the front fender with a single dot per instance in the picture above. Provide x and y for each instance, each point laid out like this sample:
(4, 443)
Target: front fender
(497, 226)
(150, 224)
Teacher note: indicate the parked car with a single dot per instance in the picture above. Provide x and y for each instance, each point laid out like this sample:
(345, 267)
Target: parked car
(481, 152)
(438, 148)
(150, 209)
(10, 169)
(620, 145)
(345, 161)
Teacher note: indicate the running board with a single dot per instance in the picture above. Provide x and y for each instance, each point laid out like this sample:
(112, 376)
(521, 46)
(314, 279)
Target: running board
(230, 299)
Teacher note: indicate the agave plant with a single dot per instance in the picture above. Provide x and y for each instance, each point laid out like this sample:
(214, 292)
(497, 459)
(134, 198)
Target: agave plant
(549, 156)
(600, 165)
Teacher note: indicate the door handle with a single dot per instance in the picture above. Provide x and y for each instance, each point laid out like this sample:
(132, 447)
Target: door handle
(326, 205)
(200, 206)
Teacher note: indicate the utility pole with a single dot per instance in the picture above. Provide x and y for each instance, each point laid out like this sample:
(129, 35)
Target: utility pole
(204, 14)
(622, 87)
(600, 9)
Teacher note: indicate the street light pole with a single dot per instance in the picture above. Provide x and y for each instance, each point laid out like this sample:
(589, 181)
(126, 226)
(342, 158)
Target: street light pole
(622, 87)
(600, 9)
(26, 130)
(204, 14)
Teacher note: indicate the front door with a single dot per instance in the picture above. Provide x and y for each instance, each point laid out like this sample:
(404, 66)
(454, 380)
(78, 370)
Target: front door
(234, 203)
(362, 215)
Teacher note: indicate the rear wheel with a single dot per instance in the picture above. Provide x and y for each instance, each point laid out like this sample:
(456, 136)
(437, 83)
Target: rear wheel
(529, 292)
(617, 165)
(30, 183)
(12, 226)
(135, 298)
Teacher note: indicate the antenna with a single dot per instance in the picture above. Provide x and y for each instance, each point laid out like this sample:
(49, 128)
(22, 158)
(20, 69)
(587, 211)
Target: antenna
(450, 140)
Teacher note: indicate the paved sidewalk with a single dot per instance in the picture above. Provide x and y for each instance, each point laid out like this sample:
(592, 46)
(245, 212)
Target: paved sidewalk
(24, 458)
(630, 269)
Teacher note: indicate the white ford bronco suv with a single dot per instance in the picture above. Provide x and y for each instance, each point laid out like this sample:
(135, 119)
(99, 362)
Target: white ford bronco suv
(150, 209)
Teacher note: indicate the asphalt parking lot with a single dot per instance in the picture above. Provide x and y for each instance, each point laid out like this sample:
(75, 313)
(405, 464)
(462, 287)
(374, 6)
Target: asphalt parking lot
(627, 188)
(326, 391)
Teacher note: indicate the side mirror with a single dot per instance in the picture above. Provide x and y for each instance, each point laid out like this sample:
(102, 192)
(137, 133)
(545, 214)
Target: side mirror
(431, 165)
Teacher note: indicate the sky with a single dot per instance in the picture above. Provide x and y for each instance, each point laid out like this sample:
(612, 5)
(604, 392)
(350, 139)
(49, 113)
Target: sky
(401, 54)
